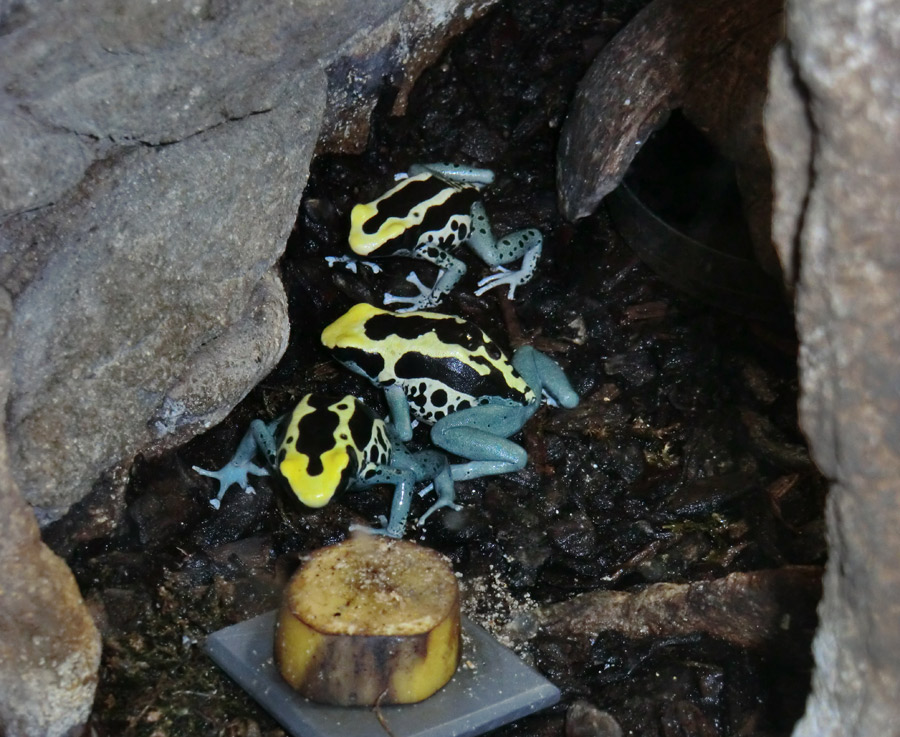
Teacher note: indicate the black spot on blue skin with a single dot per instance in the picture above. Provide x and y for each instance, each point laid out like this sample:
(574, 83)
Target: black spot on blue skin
(439, 398)
(438, 414)
(281, 455)
(463, 231)
(369, 474)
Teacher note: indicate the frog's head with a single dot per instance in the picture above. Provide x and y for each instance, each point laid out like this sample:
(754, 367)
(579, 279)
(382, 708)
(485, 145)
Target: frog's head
(347, 339)
(314, 457)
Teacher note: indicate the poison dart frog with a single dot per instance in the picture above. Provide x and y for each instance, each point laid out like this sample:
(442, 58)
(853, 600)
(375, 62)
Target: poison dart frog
(329, 444)
(429, 211)
(450, 375)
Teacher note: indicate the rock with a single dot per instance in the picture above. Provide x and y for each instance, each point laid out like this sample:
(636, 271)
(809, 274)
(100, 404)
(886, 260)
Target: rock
(152, 167)
(114, 328)
(707, 58)
(153, 160)
(833, 126)
(583, 719)
(49, 646)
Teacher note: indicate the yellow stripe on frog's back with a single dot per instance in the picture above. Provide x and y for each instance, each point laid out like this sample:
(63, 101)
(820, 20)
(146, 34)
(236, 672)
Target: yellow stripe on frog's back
(349, 331)
(363, 243)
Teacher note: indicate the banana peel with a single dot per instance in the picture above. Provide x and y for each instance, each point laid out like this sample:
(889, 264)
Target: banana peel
(372, 620)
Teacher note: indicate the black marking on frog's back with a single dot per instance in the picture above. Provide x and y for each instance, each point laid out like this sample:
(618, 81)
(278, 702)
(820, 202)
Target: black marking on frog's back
(437, 219)
(372, 364)
(361, 425)
(403, 201)
(457, 375)
(315, 431)
(412, 326)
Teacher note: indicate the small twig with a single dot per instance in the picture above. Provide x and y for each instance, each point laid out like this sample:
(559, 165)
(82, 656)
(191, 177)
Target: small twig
(380, 717)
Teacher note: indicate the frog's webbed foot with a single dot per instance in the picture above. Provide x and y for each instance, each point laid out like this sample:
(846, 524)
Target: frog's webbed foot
(351, 263)
(232, 473)
(439, 504)
(424, 300)
(500, 277)
(383, 530)
(528, 240)
(443, 484)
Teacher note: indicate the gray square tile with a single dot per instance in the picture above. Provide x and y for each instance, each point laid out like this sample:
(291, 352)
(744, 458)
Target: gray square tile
(497, 688)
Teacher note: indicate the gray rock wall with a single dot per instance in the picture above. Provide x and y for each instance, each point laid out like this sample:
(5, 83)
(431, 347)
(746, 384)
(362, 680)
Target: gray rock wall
(152, 160)
(833, 126)
(49, 646)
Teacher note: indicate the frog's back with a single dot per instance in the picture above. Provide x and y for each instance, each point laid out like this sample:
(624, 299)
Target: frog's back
(443, 363)
(419, 210)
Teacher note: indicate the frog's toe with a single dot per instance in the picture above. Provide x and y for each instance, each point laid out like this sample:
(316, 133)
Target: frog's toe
(423, 300)
(383, 530)
(439, 504)
(503, 276)
(351, 264)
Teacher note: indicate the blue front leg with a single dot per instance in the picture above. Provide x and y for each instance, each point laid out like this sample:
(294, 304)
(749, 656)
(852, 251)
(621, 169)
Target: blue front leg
(258, 438)
(398, 408)
(403, 480)
(405, 470)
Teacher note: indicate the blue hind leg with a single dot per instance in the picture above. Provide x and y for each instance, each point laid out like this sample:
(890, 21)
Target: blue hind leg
(456, 173)
(480, 434)
(543, 374)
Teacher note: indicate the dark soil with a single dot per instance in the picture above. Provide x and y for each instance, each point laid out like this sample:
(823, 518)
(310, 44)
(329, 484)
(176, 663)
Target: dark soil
(683, 462)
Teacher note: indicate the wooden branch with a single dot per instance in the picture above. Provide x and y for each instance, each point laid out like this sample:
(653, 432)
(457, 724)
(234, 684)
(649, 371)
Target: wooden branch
(746, 609)
(709, 57)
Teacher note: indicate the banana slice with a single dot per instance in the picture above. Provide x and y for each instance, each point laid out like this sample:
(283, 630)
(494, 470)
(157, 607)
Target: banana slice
(369, 620)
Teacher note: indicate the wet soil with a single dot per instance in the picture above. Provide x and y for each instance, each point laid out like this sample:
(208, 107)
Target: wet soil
(683, 462)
